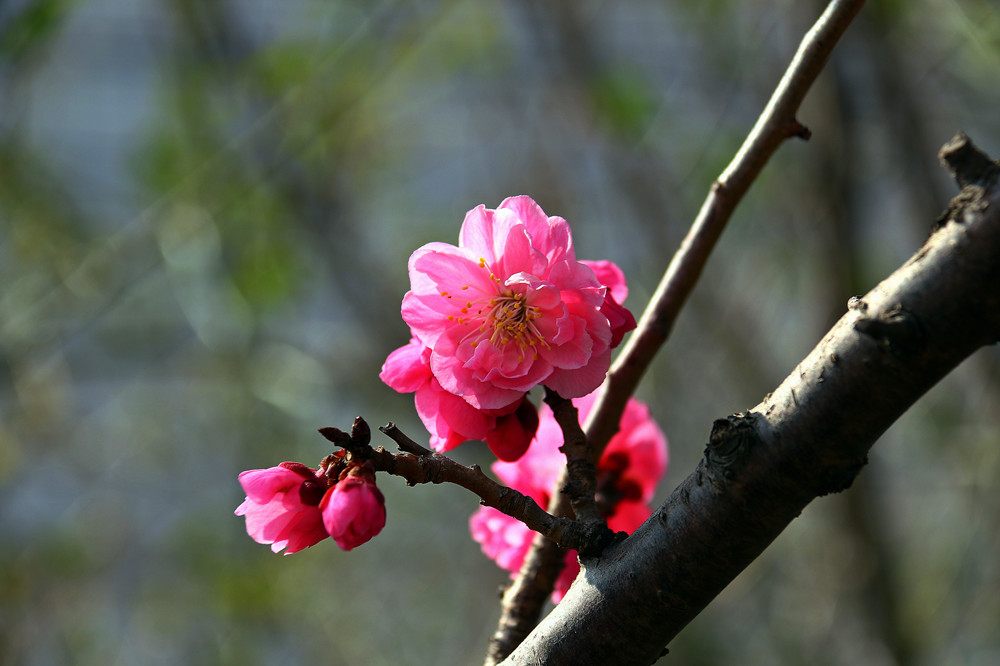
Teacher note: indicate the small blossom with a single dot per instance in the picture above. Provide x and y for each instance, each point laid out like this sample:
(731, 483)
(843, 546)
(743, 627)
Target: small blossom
(627, 473)
(354, 509)
(282, 506)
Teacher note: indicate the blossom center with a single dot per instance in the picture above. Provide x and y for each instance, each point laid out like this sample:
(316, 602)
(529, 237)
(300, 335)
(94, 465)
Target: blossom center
(503, 317)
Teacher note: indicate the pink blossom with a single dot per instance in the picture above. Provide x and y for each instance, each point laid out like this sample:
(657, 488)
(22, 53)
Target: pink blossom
(509, 308)
(354, 509)
(282, 506)
(628, 471)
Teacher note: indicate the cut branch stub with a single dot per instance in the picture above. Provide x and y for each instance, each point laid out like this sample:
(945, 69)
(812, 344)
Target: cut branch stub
(968, 164)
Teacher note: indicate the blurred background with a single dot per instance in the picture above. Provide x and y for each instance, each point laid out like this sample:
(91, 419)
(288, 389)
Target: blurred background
(206, 208)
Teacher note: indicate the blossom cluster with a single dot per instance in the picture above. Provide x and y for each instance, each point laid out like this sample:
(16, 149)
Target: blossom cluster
(292, 506)
(507, 309)
(628, 471)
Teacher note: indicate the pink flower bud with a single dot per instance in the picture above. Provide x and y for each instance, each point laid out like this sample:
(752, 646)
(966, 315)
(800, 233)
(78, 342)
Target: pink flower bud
(354, 509)
(513, 432)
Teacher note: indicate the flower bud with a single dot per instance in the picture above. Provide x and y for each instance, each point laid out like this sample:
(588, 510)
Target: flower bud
(354, 509)
(513, 432)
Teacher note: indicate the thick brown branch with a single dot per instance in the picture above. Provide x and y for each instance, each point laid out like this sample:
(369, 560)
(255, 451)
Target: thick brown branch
(808, 438)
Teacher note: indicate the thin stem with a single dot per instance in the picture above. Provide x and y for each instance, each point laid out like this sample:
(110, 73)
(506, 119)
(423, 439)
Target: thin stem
(525, 595)
(776, 124)
(403, 441)
(581, 471)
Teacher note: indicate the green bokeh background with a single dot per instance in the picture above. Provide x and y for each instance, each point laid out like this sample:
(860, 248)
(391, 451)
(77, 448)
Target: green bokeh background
(206, 210)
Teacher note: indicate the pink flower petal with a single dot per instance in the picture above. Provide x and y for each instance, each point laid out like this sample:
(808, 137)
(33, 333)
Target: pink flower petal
(405, 369)
(611, 276)
(261, 485)
(476, 234)
(513, 432)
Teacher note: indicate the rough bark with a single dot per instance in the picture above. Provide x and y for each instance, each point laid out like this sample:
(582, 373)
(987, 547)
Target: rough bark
(808, 438)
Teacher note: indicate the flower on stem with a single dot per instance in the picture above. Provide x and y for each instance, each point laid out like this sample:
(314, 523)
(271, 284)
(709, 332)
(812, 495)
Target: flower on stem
(292, 506)
(633, 462)
(353, 509)
(508, 309)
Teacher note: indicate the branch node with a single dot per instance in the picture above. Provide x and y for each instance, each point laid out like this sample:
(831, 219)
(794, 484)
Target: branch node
(897, 330)
(729, 444)
(356, 444)
(838, 475)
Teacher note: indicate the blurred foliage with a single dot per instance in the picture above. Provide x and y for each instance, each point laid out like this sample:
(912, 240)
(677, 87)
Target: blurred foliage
(206, 210)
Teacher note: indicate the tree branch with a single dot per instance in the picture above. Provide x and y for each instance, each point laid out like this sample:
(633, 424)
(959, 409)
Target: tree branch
(419, 465)
(808, 438)
(581, 469)
(776, 124)
(524, 597)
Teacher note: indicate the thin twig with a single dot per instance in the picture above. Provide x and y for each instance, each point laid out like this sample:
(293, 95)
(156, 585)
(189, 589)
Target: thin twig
(419, 465)
(403, 441)
(581, 471)
(526, 593)
(776, 124)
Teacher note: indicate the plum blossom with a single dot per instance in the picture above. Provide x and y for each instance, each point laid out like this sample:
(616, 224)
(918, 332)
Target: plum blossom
(627, 474)
(292, 506)
(508, 309)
